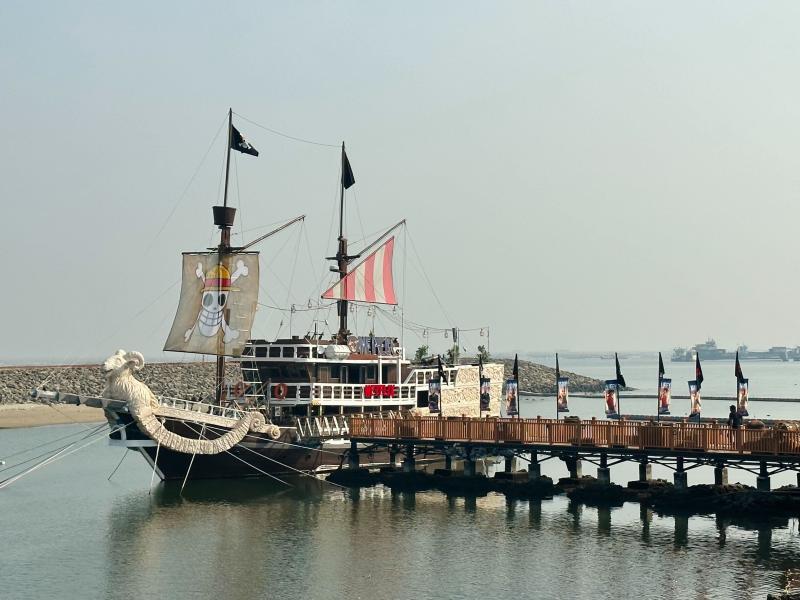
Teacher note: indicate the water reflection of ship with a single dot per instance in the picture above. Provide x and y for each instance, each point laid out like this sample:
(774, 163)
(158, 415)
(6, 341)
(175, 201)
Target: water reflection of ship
(710, 351)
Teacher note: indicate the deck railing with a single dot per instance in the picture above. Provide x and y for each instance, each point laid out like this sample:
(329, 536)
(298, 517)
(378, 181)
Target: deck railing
(595, 433)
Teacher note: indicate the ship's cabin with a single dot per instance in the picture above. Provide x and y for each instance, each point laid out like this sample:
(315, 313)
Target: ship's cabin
(314, 376)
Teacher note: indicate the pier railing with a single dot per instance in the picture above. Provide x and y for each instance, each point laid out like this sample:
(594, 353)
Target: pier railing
(595, 433)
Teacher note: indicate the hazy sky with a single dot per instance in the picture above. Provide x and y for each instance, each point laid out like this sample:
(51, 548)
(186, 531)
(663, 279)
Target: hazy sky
(583, 175)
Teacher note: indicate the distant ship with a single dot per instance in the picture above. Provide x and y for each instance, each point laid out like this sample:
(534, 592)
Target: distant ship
(709, 351)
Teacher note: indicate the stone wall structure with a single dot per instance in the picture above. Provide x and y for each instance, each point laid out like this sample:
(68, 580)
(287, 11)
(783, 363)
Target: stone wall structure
(460, 398)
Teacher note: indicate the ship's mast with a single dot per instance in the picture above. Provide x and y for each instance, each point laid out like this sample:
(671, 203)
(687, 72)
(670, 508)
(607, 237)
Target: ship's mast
(342, 260)
(223, 218)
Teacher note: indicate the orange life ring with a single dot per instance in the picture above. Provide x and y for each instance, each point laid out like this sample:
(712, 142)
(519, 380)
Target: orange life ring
(280, 390)
(238, 389)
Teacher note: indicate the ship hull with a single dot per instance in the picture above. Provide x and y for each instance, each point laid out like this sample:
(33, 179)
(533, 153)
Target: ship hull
(256, 456)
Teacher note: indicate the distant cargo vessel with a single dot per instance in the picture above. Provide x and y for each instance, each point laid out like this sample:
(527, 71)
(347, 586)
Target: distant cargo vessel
(709, 351)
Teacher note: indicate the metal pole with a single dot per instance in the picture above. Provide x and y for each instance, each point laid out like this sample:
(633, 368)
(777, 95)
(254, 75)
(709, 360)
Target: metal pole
(658, 399)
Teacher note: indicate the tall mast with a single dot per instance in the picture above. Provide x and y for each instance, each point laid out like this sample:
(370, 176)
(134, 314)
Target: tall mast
(223, 218)
(342, 260)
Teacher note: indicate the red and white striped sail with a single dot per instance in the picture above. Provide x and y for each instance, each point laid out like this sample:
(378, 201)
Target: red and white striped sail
(371, 281)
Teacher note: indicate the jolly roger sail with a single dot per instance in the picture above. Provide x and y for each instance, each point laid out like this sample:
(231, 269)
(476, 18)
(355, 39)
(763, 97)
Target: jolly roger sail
(217, 303)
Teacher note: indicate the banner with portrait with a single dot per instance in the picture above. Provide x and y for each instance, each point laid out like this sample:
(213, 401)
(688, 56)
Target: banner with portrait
(664, 396)
(435, 395)
(611, 395)
(741, 397)
(485, 393)
(512, 397)
(694, 399)
(562, 395)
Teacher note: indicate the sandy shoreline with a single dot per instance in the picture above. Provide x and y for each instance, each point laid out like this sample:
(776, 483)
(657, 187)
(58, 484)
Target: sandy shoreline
(36, 415)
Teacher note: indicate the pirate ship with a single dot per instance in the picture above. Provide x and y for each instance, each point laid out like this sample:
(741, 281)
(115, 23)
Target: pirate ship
(288, 410)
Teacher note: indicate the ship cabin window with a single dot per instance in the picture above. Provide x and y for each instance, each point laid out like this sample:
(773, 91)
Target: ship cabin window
(303, 352)
(336, 372)
(288, 352)
(285, 373)
(274, 352)
(261, 350)
(370, 374)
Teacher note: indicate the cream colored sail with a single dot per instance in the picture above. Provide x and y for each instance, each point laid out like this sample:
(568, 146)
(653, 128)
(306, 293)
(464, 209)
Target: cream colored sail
(217, 304)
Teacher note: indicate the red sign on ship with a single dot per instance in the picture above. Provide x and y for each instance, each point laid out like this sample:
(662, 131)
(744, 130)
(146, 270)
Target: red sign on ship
(379, 391)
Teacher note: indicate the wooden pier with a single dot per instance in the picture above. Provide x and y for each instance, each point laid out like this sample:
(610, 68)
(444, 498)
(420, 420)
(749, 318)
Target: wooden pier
(678, 446)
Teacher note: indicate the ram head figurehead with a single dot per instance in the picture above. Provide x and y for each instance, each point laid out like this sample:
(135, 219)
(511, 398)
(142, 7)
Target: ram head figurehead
(122, 362)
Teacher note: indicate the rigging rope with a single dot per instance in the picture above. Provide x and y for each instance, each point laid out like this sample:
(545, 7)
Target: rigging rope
(185, 189)
(286, 135)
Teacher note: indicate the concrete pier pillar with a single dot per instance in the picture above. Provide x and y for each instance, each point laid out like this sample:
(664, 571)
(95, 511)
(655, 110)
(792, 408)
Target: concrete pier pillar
(721, 474)
(679, 477)
(575, 467)
(352, 456)
(534, 471)
(509, 464)
(469, 467)
(604, 475)
(409, 464)
(762, 481)
(448, 462)
(645, 470)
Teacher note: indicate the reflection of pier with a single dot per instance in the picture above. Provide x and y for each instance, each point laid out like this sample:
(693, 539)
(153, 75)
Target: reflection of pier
(678, 446)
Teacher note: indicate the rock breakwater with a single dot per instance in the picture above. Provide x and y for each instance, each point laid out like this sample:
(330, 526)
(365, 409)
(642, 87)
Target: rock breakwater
(180, 380)
(540, 379)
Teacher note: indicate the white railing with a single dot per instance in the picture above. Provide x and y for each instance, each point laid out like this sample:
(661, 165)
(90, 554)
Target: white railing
(201, 407)
(322, 427)
(421, 377)
(345, 394)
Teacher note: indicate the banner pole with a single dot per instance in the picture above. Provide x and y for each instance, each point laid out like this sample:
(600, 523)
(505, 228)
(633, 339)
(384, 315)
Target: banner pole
(658, 400)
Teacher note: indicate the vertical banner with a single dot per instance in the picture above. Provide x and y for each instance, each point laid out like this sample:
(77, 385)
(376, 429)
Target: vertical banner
(485, 393)
(512, 390)
(562, 396)
(664, 396)
(694, 399)
(611, 392)
(741, 397)
(435, 395)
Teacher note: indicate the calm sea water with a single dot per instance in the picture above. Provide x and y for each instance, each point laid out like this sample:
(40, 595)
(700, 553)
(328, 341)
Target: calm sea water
(68, 532)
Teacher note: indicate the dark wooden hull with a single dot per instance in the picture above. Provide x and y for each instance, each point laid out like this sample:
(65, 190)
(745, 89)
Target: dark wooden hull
(256, 456)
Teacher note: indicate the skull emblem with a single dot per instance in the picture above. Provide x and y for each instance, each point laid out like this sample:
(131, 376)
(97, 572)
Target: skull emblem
(216, 293)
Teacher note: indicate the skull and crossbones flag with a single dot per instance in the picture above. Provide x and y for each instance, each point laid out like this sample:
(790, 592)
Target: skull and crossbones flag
(217, 304)
(239, 143)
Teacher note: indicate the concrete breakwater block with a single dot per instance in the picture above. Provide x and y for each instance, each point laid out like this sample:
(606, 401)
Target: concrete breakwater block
(520, 476)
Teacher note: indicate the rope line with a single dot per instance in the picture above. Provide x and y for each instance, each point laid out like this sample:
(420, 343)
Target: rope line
(286, 135)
